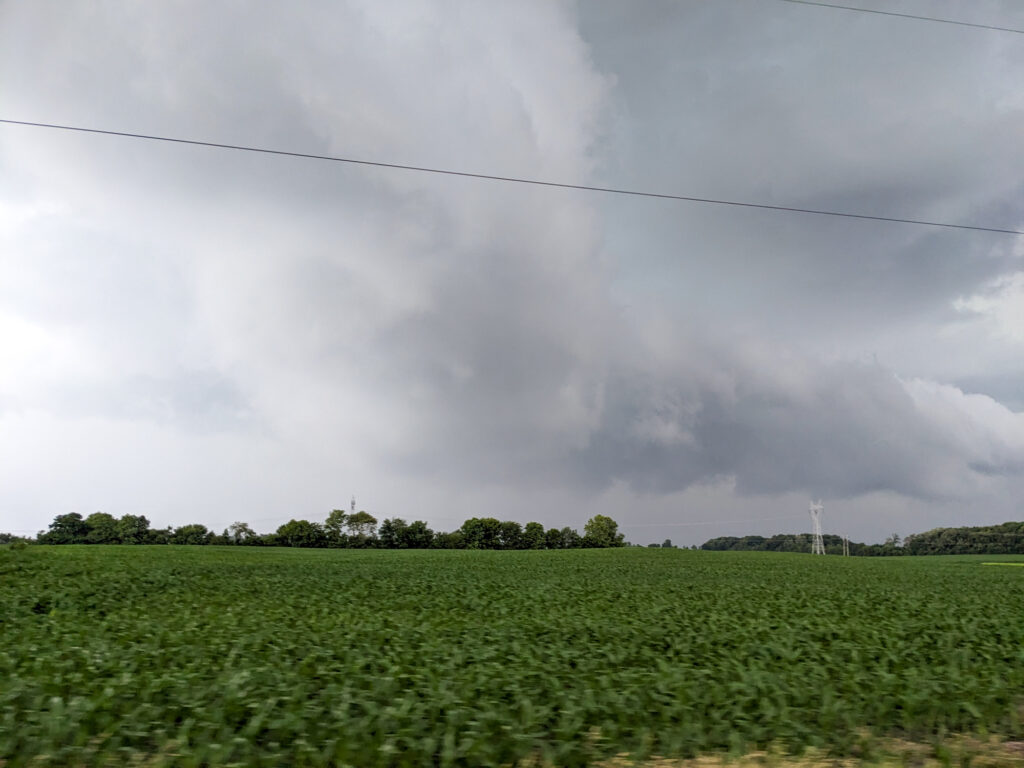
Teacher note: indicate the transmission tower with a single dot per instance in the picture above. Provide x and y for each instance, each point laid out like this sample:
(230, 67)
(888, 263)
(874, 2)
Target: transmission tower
(817, 542)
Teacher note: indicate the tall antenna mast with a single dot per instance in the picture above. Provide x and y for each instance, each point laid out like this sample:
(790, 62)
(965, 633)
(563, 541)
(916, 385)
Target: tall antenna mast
(817, 543)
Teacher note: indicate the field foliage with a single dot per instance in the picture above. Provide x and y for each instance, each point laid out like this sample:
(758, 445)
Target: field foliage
(193, 656)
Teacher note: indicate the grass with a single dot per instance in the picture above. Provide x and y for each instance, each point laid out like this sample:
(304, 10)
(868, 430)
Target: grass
(220, 655)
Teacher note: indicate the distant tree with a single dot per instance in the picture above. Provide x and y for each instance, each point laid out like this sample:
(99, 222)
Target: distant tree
(361, 524)
(666, 544)
(417, 535)
(392, 533)
(219, 539)
(190, 534)
(241, 533)
(533, 536)
(449, 540)
(159, 535)
(362, 528)
(301, 533)
(133, 529)
(102, 528)
(334, 527)
(780, 543)
(571, 538)
(510, 535)
(602, 531)
(481, 533)
(654, 545)
(66, 529)
(777, 543)
(717, 544)
(553, 539)
(1003, 539)
(914, 544)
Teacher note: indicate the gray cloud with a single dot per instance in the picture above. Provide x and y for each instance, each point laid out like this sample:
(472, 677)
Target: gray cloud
(277, 331)
(836, 430)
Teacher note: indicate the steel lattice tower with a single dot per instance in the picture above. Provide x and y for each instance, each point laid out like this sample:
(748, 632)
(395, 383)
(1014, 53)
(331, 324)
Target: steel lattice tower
(817, 542)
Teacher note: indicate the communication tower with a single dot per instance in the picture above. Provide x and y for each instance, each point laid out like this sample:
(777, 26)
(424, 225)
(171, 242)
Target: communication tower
(817, 542)
(353, 504)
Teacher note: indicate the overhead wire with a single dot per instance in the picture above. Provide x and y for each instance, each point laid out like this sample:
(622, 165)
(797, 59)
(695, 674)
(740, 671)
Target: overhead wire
(915, 17)
(516, 179)
(627, 524)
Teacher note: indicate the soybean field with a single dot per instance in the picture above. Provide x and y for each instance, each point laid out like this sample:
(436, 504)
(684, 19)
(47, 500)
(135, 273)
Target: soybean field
(177, 655)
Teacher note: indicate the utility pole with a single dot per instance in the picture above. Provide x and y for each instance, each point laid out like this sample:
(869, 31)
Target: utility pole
(817, 542)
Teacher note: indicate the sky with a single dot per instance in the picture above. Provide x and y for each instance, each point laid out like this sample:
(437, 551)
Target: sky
(204, 335)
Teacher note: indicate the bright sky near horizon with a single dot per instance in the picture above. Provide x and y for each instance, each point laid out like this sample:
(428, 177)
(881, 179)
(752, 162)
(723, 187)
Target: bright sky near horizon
(201, 335)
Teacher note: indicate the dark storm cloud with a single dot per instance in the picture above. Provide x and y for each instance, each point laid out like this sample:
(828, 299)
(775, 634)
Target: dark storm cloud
(428, 335)
(823, 109)
(837, 430)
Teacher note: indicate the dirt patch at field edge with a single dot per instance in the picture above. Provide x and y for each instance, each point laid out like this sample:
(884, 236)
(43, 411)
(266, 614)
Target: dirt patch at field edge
(955, 752)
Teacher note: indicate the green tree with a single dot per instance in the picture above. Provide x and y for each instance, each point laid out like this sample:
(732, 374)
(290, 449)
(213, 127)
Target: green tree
(449, 540)
(571, 539)
(481, 533)
(334, 527)
(533, 536)
(602, 531)
(362, 527)
(392, 533)
(195, 533)
(361, 524)
(418, 536)
(220, 539)
(102, 528)
(159, 535)
(510, 535)
(66, 529)
(301, 533)
(553, 539)
(133, 529)
(241, 533)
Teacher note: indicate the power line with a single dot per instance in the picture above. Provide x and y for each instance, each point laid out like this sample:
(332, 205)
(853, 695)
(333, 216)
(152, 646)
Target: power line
(709, 522)
(516, 179)
(905, 16)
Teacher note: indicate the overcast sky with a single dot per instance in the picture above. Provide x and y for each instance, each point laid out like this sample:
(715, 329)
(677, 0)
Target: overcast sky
(201, 335)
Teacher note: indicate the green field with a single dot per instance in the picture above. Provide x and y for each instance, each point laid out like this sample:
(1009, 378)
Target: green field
(219, 655)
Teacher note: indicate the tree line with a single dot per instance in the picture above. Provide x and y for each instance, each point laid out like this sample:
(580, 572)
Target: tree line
(800, 542)
(355, 530)
(1003, 539)
(360, 530)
